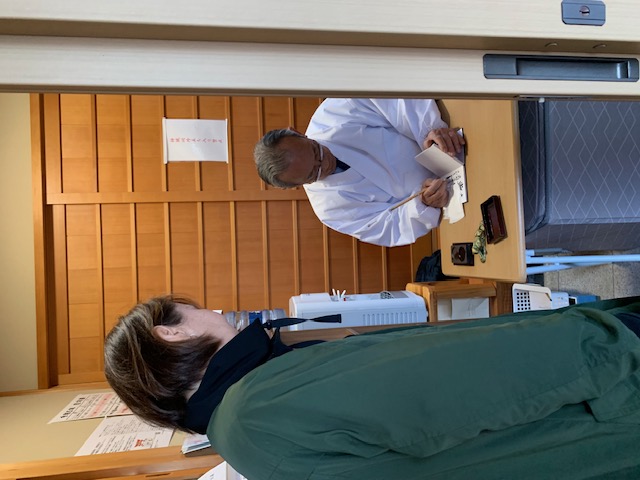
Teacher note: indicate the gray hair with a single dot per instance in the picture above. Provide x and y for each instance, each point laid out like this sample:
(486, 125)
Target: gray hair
(270, 160)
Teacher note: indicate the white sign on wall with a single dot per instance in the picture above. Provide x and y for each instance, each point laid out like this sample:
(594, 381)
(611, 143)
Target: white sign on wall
(195, 140)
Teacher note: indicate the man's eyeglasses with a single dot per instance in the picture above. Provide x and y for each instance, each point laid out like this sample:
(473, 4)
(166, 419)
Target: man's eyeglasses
(321, 158)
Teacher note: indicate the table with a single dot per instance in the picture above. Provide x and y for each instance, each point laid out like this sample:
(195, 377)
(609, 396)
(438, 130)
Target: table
(493, 168)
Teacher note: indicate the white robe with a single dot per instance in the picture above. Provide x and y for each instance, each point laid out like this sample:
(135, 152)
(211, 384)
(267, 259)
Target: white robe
(378, 139)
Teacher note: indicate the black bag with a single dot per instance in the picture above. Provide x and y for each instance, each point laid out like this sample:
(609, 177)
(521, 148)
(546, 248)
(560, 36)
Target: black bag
(430, 269)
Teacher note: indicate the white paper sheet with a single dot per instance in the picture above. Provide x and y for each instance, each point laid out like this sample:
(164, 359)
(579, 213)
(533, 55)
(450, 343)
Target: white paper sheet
(195, 140)
(454, 211)
(122, 434)
(458, 182)
(462, 308)
(92, 405)
(439, 163)
(223, 471)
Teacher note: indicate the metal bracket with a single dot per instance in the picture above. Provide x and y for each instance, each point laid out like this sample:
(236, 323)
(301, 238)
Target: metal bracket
(590, 12)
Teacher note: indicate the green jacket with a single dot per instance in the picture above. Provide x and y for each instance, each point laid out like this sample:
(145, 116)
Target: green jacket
(552, 394)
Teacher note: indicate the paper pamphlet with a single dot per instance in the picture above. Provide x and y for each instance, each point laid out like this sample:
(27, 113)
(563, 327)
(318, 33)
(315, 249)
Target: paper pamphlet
(122, 434)
(92, 405)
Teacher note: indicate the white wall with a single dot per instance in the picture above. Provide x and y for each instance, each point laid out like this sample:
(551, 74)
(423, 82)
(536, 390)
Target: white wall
(18, 361)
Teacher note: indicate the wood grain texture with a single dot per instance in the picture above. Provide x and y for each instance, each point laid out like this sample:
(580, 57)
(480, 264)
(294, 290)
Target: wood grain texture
(54, 64)
(492, 168)
(150, 463)
(463, 24)
(128, 227)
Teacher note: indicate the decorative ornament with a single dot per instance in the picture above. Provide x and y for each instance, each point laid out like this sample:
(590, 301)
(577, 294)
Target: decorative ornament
(480, 243)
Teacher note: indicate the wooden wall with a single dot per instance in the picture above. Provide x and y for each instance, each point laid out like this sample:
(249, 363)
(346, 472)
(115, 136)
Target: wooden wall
(122, 226)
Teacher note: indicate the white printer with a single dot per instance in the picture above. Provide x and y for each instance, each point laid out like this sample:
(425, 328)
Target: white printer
(383, 308)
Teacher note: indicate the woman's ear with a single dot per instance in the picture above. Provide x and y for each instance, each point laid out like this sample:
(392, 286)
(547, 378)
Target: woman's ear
(168, 333)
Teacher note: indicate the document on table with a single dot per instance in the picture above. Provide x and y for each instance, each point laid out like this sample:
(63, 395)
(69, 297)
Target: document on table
(92, 405)
(122, 434)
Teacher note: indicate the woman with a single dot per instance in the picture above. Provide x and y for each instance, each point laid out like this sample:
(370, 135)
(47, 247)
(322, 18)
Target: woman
(550, 394)
(156, 355)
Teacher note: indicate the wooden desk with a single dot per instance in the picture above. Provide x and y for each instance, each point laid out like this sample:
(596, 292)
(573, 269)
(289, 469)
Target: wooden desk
(166, 463)
(493, 168)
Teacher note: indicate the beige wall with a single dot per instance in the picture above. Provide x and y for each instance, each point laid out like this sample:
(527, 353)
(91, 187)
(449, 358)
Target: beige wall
(18, 368)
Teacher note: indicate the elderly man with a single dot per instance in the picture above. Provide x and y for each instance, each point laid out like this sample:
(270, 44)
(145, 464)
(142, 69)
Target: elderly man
(356, 161)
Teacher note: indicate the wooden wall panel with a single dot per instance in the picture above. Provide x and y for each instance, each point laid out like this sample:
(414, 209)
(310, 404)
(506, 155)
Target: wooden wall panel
(181, 106)
(311, 250)
(245, 130)
(79, 327)
(183, 177)
(341, 258)
(186, 265)
(149, 229)
(370, 268)
(303, 109)
(399, 267)
(61, 288)
(86, 355)
(77, 120)
(120, 289)
(251, 259)
(113, 119)
(219, 257)
(152, 267)
(146, 138)
(277, 112)
(52, 144)
(281, 254)
(84, 289)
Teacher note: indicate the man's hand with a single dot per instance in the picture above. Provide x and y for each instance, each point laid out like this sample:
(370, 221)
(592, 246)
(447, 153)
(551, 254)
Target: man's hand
(436, 194)
(447, 140)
